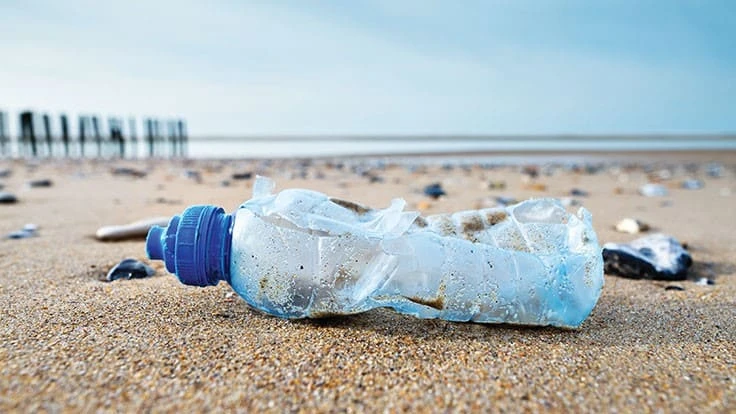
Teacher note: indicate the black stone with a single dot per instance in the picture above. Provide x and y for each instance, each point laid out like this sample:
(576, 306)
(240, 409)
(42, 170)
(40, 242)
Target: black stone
(242, 176)
(576, 192)
(130, 269)
(7, 198)
(656, 257)
(131, 172)
(434, 190)
(674, 287)
(40, 183)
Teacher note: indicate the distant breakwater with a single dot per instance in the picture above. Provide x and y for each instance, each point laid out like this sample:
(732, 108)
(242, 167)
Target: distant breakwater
(39, 135)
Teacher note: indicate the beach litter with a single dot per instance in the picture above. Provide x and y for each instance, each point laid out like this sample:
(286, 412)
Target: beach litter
(653, 190)
(302, 254)
(434, 190)
(7, 198)
(631, 226)
(29, 230)
(130, 269)
(134, 230)
(657, 256)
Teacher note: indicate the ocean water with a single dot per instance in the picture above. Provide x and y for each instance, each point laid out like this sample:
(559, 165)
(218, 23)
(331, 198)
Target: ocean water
(298, 147)
(328, 147)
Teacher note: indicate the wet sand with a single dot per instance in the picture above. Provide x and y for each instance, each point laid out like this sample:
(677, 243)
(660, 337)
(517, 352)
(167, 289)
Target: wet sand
(70, 342)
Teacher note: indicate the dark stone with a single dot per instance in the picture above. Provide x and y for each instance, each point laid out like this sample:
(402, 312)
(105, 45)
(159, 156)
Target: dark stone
(576, 192)
(505, 200)
(45, 182)
(434, 190)
(657, 257)
(131, 172)
(29, 230)
(242, 176)
(193, 175)
(674, 287)
(7, 198)
(5, 173)
(692, 184)
(130, 269)
(375, 179)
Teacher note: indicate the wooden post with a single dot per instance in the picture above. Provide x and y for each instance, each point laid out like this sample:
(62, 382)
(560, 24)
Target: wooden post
(82, 133)
(182, 138)
(98, 136)
(47, 131)
(27, 134)
(133, 136)
(149, 136)
(65, 134)
(171, 131)
(116, 134)
(4, 141)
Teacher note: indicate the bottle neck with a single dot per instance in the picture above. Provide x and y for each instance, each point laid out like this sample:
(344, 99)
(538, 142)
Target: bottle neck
(218, 243)
(195, 246)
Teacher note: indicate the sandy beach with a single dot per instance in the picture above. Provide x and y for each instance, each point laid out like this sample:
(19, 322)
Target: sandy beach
(71, 342)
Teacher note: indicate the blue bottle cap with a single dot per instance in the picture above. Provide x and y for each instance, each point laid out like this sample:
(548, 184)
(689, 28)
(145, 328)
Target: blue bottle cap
(195, 246)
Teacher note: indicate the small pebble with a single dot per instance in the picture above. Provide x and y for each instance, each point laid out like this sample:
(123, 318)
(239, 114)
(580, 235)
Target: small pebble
(576, 192)
(653, 190)
(674, 287)
(131, 172)
(497, 185)
(692, 184)
(704, 281)
(505, 200)
(714, 170)
(29, 230)
(536, 187)
(130, 269)
(434, 190)
(424, 205)
(7, 198)
(40, 183)
(242, 176)
(5, 173)
(193, 175)
(725, 192)
(631, 226)
(569, 202)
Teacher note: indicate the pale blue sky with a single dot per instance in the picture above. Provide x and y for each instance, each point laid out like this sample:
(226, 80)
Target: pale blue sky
(379, 66)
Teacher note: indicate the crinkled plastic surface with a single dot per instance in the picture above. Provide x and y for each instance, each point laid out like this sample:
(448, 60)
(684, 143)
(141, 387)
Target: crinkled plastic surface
(300, 253)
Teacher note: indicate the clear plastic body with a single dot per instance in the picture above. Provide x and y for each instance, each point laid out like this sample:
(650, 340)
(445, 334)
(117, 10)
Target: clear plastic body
(300, 253)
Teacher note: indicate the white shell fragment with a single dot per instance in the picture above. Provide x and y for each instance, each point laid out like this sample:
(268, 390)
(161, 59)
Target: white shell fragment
(631, 226)
(137, 229)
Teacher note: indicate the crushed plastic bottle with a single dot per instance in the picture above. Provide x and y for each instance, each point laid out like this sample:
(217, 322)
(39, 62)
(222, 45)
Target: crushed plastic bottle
(302, 254)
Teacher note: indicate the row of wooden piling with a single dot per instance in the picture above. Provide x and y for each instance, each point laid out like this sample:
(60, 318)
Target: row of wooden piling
(119, 141)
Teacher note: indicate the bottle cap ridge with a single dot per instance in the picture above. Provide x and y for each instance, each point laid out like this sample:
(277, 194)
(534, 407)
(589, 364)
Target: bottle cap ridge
(195, 246)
